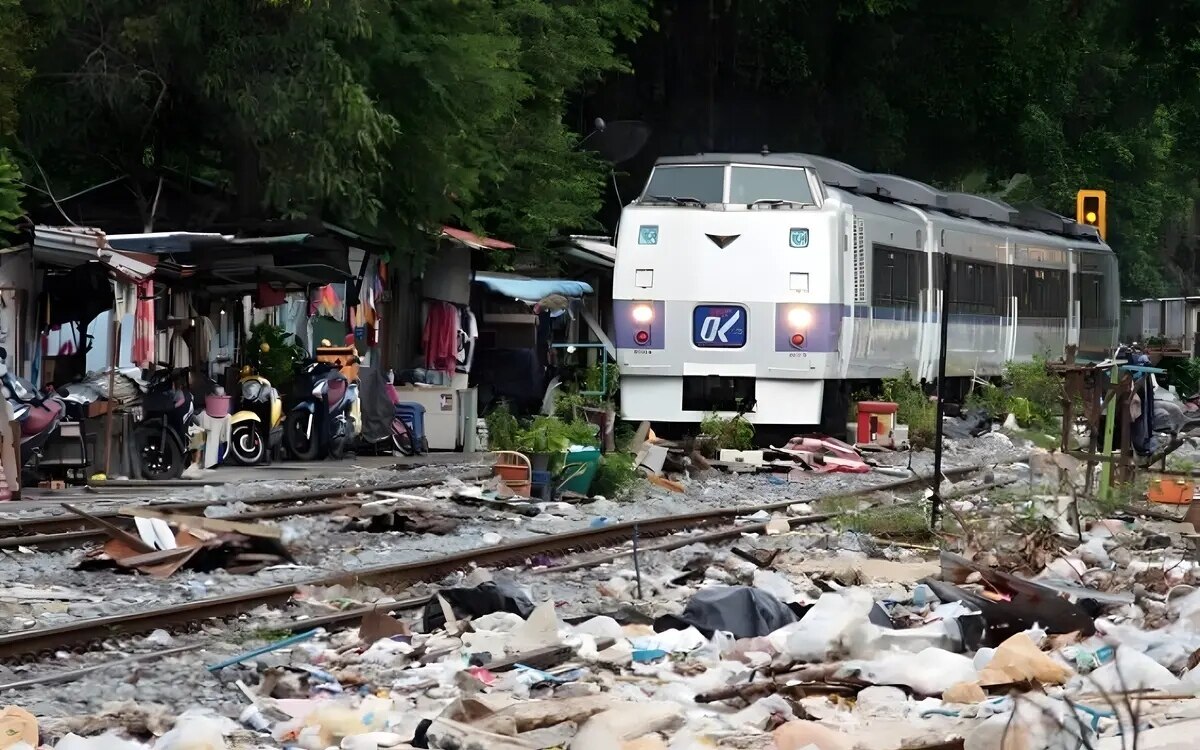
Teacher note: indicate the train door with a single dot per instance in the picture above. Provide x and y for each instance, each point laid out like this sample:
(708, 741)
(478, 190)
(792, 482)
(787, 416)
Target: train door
(1011, 311)
(929, 336)
(854, 288)
(1073, 312)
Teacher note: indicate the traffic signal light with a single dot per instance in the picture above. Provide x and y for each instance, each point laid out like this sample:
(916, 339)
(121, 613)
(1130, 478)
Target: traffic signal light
(1089, 209)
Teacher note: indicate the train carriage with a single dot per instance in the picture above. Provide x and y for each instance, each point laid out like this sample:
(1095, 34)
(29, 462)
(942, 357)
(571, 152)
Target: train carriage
(779, 283)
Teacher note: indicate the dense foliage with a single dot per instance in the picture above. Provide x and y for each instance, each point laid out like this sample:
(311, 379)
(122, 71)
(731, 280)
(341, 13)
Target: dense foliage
(386, 115)
(393, 115)
(1028, 99)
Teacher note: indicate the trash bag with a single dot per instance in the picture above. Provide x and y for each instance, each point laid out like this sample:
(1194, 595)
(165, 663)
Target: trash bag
(744, 611)
(974, 423)
(484, 599)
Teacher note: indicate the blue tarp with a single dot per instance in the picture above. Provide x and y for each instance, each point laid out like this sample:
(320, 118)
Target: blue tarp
(531, 290)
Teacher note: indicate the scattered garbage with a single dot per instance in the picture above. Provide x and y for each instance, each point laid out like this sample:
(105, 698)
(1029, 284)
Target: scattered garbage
(1032, 636)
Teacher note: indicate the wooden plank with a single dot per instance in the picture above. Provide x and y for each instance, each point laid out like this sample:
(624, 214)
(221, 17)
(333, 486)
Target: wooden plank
(154, 558)
(209, 524)
(116, 532)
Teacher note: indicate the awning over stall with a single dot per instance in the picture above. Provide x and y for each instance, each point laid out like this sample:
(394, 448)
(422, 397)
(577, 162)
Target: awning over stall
(592, 251)
(69, 247)
(229, 265)
(530, 290)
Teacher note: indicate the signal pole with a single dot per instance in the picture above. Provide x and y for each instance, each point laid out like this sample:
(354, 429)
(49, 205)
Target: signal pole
(935, 500)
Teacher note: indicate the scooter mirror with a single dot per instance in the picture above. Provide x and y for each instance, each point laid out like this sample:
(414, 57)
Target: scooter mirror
(3, 354)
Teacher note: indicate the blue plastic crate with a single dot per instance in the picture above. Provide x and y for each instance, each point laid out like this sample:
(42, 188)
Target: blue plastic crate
(543, 485)
(413, 415)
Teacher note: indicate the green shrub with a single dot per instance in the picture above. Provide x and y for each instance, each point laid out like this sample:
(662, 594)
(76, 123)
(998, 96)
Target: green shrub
(1030, 392)
(277, 362)
(615, 476)
(913, 408)
(502, 428)
(734, 433)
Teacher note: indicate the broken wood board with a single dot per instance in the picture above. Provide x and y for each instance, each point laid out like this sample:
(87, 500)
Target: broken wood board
(219, 525)
(116, 532)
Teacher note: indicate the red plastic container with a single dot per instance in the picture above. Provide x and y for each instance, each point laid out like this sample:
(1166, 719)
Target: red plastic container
(868, 418)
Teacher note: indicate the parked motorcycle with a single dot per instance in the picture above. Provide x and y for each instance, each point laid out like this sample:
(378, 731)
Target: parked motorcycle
(320, 423)
(37, 415)
(160, 439)
(256, 435)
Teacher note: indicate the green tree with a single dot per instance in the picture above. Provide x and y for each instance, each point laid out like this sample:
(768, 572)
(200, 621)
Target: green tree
(389, 115)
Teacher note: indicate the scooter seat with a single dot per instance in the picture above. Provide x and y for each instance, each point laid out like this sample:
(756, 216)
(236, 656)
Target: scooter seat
(41, 417)
(336, 391)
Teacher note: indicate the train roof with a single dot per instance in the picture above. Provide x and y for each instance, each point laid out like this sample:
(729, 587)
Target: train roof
(895, 189)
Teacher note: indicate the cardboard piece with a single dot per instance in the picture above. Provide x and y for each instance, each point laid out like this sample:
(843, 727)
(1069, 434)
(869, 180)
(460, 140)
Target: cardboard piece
(377, 625)
(17, 725)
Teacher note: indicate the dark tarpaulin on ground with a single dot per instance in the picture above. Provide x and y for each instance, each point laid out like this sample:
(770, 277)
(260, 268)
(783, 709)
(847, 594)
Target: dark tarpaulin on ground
(744, 611)
(484, 599)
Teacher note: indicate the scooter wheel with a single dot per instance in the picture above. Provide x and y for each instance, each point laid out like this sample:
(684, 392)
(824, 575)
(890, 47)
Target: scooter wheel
(300, 444)
(337, 448)
(246, 445)
(157, 457)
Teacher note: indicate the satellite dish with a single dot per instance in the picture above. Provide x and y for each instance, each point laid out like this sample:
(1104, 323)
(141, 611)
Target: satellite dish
(619, 141)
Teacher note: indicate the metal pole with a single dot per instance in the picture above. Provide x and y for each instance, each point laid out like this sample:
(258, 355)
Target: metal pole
(114, 342)
(637, 566)
(935, 501)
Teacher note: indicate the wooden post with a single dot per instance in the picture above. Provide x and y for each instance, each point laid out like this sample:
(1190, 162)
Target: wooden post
(1114, 403)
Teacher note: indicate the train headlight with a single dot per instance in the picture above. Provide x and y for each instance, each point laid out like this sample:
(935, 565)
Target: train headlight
(643, 314)
(799, 317)
(642, 338)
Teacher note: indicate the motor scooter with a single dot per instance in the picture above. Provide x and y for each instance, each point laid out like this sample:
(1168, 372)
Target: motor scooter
(320, 423)
(160, 439)
(37, 415)
(256, 435)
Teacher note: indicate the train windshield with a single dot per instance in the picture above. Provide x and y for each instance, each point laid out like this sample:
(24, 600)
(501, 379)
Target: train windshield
(686, 184)
(770, 186)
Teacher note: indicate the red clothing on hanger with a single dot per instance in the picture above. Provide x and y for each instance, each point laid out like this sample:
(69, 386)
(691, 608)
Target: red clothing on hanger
(440, 337)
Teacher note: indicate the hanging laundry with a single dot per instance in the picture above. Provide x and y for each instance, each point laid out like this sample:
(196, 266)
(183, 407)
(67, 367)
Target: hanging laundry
(467, 333)
(143, 325)
(267, 296)
(329, 302)
(440, 337)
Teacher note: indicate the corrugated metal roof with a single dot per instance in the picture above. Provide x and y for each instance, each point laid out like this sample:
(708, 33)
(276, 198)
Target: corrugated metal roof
(475, 241)
(74, 246)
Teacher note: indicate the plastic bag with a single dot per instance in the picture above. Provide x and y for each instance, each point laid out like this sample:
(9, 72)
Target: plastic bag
(828, 627)
(930, 672)
(1132, 670)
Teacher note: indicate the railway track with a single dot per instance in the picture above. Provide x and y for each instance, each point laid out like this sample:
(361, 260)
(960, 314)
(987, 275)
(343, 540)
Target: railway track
(63, 531)
(35, 641)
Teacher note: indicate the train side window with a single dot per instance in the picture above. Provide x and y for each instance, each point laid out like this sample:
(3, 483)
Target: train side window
(896, 279)
(1040, 292)
(973, 287)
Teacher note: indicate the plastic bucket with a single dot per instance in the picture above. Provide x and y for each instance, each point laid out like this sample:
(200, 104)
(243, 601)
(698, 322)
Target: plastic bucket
(580, 469)
(216, 407)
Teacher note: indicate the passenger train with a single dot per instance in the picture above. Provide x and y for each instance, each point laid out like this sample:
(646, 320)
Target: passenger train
(780, 283)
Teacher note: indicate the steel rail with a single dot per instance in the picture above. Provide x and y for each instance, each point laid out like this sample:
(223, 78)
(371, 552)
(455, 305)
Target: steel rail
(53, 638)
(42, 525)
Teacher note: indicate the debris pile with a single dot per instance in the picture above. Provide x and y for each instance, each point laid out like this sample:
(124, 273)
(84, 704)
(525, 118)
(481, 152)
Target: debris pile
(165, 542)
